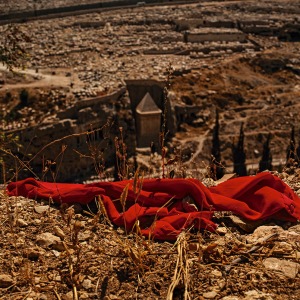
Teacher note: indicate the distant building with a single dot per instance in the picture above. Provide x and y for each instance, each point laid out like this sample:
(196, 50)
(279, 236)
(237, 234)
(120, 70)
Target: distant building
(148, 122)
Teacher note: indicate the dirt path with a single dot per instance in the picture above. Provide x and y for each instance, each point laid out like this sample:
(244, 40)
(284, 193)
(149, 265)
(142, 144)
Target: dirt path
(41, 79)
(200, 139)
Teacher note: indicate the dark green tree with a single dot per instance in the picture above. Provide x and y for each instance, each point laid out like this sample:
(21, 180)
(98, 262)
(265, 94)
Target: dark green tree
(291, 156)
(298, 153)
(24, 95)
(266, 160)
(216, 168)
(239, 155)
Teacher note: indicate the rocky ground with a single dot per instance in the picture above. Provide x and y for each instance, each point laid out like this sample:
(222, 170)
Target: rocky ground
(244, 90)
(50, 252)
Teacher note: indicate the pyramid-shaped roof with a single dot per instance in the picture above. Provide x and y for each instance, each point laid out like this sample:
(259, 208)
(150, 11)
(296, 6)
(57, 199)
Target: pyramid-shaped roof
(147, 105)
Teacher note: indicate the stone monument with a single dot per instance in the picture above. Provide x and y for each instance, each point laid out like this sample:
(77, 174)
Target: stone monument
(148, 122)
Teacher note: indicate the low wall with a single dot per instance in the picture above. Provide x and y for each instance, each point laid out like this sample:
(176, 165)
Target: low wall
(67, 143)
(214, 36)
(95, 103)
(23, 16)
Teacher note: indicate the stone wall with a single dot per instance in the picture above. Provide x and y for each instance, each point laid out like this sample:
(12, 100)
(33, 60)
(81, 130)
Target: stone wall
(213, 34)
(79, 139)
(53, 12)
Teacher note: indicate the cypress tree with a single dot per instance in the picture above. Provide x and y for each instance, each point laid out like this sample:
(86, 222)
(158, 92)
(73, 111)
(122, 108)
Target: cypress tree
(291, 156)
(298, 154)
(266, 160)
(239, 155)
(216, 170)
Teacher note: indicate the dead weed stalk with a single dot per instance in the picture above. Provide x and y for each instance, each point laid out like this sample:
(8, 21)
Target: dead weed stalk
(181, 272)
(73, 258)
(123, 199)
(101, 212)
(96, 148)
(164, 132)
(73, 249)
(122, 167)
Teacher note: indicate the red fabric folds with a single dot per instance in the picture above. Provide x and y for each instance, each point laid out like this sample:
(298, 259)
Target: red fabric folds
(165, 207)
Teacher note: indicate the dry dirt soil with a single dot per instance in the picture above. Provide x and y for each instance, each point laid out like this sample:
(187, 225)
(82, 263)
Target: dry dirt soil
(51, 252)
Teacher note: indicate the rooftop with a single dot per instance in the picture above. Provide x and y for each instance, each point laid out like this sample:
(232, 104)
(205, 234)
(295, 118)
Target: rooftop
(148, 105)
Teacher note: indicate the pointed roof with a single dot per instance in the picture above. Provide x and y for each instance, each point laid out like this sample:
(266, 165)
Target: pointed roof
(147, 105)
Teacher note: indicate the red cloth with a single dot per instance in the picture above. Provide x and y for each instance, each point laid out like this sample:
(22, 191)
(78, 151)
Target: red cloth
(161, 206)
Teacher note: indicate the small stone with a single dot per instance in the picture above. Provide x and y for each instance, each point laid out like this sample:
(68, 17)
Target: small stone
(113, 297)
(87, 284)
(22, 223)
(84, 236)
(288, 268)
(84, 295)
(58, 246)
(47, 239)
(6, 280)
(216, 273)
(59, 232)
(295, 228)
(37, 280)
(37, 222)
(42, 208)
(262, 231)
(221, 230)
(221, 284)
(282, 248)
(257, 295)
(56, 253)
(210, 295)
(246, 226)
(68, 296)
(57, 278)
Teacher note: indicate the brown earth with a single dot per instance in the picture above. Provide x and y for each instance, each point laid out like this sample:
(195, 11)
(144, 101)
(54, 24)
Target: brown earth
(260, 90)
(81, 254)
(51, 252)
